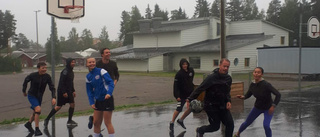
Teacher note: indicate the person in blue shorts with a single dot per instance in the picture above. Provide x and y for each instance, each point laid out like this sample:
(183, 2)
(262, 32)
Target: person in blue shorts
(39, 80)
(100, 87)
(264, 104)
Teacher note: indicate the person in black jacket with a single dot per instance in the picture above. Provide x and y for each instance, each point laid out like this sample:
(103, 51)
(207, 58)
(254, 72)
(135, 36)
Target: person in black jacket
(262, 91)
(66, 93)
(217, 100)
(182, 88)
(39, 80)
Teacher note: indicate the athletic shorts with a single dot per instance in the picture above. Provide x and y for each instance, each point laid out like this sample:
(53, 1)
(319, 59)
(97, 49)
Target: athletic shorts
(105, 105)
(180, 105)
(34, 101)
(62, 100)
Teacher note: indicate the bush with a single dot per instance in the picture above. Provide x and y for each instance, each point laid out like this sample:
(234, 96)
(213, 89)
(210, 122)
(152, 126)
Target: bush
(9, 64)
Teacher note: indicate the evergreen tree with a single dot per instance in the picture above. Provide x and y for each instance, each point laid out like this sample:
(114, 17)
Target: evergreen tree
(57, 53)
(148, 13)
(124, 25)
(159, 13)
(7, 28)
(21, 41)
(262, 14)
(104, 39)
(234, 10)
(215, 9)
(250, 10)
(202, 9)
(73, 40)
(273, 12)
(178, 14)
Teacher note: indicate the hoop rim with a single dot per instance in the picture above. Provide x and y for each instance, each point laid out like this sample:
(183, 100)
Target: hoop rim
(66, 8)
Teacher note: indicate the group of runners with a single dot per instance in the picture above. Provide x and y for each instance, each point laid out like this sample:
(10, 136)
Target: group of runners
(103, 76)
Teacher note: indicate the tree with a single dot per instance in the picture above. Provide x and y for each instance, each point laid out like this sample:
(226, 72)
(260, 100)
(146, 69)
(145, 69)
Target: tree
(104, 39)
(178, 14)
(124, 25)
(148, 13)
(7, 28)
(21, 41)
(262, 14)
(215, 9)
(130, 25)
(273, 12)
(86, 39)
(201, 9)
(234, 10)
(250, 10)
(57, 53)
(73, 40)
(64, 45)
(159, 13)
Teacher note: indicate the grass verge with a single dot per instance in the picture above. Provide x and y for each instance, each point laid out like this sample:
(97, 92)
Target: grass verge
(88, 112)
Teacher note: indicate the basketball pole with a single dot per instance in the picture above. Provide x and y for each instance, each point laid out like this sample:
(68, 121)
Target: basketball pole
(53, 70)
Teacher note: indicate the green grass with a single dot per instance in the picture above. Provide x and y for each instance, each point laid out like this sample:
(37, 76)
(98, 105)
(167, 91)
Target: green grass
(156, 74)
(88, 112)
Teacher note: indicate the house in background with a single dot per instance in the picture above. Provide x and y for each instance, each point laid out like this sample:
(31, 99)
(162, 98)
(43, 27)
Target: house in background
(159, 45)
(30, 57)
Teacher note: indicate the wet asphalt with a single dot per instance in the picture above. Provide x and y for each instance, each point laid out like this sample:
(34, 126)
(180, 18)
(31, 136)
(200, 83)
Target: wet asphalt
(297, 115)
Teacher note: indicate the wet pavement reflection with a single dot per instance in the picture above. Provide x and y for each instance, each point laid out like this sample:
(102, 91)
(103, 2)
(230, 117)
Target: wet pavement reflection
(291, 119)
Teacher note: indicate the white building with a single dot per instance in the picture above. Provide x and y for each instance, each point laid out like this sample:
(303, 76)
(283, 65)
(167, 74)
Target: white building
(159, 45)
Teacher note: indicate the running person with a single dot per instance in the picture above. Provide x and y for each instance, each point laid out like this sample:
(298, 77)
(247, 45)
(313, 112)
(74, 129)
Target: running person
(111, 67)
(217, 100)
(182, 88)
(100, 87)
(262, 91)
(39, 80)
(66, 93)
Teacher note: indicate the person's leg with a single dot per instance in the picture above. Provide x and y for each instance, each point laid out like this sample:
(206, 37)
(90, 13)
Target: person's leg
(52, 112)
(227, 120)
(266, 123)
(71, 110)
(107, 115)
(28, 125)
(185, 114)
(251, 117)
(37, 111)
(97, 120)
(214, 121)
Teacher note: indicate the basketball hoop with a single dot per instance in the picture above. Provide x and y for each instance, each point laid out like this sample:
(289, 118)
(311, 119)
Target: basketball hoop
(314, 33)
(74, 16)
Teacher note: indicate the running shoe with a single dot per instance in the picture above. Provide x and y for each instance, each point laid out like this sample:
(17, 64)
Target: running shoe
(72, 123)
(29, 127)
(90, 124)
(171, 126)
(37, 132)
(181, 123)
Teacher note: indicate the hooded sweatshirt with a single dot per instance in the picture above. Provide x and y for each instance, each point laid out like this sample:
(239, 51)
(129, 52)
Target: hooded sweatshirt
(66, 79)
(183, 81)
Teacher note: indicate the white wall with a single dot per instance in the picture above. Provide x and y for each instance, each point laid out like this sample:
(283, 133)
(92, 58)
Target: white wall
(272, 30)
(157, 40)
(132, 65)
(156, 63)
(194, 35)
(245, 27)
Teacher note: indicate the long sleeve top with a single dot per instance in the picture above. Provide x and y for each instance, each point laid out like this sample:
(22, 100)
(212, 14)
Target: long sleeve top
(98, 84)
(183, 83)
(262, 92)
(111, 67)
(38, 85)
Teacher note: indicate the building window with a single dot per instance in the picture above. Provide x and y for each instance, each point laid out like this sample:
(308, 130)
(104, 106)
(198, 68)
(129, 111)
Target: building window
(215, 62)
(282, 40)
(218, 29)
(195, 62)
(246, 62)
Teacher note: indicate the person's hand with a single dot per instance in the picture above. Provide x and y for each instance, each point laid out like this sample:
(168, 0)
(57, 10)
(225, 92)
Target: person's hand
(178, 99)
(228, 105)
(53, 101)
(93, 106)
(107, 96)
(24, 94)
(240, 96)
(188, 103)
(74, 94)
(271, 110)
(65, 95)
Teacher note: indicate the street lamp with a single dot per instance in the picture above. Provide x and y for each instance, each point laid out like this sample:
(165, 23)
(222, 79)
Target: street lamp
(37, 32)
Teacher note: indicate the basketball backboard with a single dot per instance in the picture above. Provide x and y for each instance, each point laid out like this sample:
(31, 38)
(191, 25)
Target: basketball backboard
(313, 27)
(66, 9)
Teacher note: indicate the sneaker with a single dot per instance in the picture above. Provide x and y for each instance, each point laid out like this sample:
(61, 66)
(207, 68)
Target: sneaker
(45, 123)
(37, 132)
(90, 124)
(181, 123)
(198, 134)
(29, 127)
(235, 135)
(72, 123)
(171, 126)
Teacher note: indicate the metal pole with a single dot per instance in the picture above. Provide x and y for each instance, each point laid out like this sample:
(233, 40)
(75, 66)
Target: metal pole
(53, 69)
(37, 33)
(222, 33)
(299, 87)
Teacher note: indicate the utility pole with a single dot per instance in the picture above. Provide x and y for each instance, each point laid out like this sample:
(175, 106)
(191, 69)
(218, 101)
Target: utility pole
(37, 33)
(222, 33)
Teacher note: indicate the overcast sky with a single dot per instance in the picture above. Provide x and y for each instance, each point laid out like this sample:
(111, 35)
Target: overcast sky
(98, 13)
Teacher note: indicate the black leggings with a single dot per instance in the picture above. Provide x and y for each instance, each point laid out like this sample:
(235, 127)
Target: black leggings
(215, 118)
